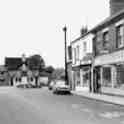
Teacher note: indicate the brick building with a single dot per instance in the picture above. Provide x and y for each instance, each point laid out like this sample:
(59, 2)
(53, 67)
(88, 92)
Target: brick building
(109, 51)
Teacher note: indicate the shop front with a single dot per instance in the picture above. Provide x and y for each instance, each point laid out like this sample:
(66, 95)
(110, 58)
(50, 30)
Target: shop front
(85, 77)
(110, 73)
(76, 78)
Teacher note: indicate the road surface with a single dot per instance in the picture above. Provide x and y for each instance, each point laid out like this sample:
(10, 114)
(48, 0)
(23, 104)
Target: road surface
(40, 106)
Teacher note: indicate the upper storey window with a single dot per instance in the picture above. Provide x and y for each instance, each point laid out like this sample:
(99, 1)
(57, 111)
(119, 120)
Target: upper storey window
(120, 36)
(105, 38)
(74, 55)
(84, 46)
(77, 52)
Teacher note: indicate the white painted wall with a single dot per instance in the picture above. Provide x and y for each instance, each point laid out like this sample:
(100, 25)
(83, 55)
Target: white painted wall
(88, 39)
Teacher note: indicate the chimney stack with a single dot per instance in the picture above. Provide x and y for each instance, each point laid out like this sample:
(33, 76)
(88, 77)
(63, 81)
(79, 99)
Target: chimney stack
(116, 6)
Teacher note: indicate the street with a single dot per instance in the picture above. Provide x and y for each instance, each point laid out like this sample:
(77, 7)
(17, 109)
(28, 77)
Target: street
(40, 106)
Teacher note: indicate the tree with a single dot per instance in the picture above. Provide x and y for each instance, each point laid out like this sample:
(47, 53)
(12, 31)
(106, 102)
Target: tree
(36, 62)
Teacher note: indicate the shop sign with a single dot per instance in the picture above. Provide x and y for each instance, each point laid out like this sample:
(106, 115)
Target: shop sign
(110, 58)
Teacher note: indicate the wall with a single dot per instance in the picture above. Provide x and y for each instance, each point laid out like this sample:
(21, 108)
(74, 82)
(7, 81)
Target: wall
(116, 6)
(99, 48)
(88, 40)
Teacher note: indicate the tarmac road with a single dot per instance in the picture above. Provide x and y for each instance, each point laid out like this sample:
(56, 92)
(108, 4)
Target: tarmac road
(40, 106)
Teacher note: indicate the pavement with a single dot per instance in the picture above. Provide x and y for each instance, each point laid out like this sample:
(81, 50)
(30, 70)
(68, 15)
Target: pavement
(41, 106)
(114, 99)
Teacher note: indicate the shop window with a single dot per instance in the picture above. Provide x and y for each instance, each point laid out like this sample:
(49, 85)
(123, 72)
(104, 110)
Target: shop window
(107, 77)
(120, 77)
(86, 79)
(78, 78)
(120, 36)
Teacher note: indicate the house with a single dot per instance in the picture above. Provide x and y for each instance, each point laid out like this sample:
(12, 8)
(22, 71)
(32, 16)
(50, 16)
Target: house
(19, 71)
(81, 62)
(109, 51)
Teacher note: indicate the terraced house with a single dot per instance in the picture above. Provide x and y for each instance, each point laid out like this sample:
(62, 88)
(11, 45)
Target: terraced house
(109, 50)
(81, 62)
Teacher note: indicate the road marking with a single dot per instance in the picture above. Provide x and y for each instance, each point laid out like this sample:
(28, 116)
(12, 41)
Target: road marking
(110, 115)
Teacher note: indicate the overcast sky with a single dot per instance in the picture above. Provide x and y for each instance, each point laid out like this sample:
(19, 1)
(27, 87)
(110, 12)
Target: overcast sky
(35, 26)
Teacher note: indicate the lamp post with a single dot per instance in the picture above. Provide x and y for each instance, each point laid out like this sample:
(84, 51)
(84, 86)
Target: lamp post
(66, 74)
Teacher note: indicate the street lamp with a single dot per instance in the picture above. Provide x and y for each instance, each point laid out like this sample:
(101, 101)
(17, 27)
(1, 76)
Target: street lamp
(65, 33)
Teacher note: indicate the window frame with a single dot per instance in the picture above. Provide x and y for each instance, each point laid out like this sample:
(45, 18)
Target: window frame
(84, 46)
(74, 55)
(77, 52)
(105, 38)
(120, 37)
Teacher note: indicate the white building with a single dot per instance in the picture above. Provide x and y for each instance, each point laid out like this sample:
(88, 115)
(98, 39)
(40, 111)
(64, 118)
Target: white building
(81, 61)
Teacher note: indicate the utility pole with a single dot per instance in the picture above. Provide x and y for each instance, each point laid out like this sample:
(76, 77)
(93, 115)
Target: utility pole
(65, 37)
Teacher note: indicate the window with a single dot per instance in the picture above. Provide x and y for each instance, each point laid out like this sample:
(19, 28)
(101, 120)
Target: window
(107, 77)
(120, 36)
(98, 39)
(84, 46)
(69, 52)
(105, 38)
(77, 52)
(74, 55)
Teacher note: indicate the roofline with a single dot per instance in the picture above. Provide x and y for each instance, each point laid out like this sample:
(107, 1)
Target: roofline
(94, 29)
(80, 37)
(107, 20)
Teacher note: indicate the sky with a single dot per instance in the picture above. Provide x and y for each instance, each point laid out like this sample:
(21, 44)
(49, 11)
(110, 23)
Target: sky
(35, 26)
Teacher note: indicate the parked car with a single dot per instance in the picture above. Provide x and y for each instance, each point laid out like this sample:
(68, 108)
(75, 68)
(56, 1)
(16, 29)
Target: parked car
(61, 87)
